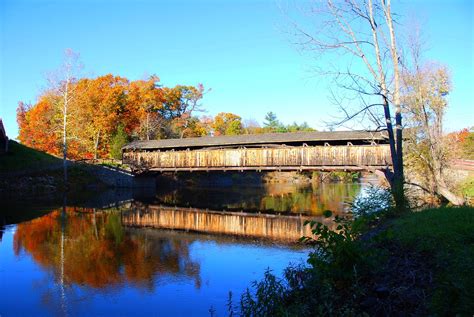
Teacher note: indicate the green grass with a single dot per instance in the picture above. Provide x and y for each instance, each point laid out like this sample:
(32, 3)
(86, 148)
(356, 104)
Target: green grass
(23, 158)
(30, 162)
(446, 237)
(467, 187)
(413, 263)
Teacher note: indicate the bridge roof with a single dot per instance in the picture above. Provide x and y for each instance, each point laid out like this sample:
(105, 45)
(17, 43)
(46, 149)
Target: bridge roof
(258, 139)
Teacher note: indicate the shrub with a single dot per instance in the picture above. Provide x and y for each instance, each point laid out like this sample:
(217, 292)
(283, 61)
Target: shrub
(372, 200)
(328, 285)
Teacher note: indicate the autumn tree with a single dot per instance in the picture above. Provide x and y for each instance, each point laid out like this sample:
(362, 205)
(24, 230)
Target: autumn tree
(204, 126)
(101, 104)
(37, 129)
(180, 104)
(424, 96)
(463, 143)
(194, 127)
(146, 103)
(62, 86)
(22, 121)
(467, 144)
(362, 34)
(78, 118)
(226, 123)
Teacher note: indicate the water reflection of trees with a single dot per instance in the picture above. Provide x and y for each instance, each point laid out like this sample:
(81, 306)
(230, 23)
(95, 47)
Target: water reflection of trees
(310, 199)
(99, 252)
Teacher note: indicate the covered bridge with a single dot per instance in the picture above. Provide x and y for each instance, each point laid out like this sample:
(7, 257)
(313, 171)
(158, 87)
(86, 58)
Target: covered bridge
(339, 150)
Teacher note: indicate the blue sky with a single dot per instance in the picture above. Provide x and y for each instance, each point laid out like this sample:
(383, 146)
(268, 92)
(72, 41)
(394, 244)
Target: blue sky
(237, 48)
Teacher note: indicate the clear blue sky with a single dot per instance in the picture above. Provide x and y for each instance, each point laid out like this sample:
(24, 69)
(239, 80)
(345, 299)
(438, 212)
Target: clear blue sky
(236, 48)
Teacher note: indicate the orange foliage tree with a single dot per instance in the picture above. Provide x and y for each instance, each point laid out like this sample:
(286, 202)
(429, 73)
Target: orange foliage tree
(144, 108)
(100, 105)
(181, 102)
(226, 123)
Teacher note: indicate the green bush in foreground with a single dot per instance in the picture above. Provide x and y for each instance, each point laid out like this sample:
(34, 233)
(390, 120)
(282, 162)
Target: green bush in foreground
(331, 283)
(419, 263)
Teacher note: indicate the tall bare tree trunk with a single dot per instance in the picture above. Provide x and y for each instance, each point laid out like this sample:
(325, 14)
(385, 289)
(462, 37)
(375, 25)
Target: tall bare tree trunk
(65, 113)
(96, 145)
(62, 281)
(397, 181)
(62, 84)
(148, 126)
(365, 30)
(441, 188)
(398, 163)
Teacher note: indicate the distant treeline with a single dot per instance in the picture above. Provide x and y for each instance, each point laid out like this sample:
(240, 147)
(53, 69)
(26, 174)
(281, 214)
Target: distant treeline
(106, 112)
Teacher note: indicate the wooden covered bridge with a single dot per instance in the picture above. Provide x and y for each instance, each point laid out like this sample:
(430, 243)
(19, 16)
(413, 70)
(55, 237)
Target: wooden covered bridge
(339, 150)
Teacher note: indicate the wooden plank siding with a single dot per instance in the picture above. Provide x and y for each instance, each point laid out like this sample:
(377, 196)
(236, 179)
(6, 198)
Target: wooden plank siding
(284, 157)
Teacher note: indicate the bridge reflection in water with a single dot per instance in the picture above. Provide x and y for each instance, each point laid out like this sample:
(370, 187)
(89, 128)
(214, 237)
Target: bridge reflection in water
(287, 228)
(100, 252)
(85, 261)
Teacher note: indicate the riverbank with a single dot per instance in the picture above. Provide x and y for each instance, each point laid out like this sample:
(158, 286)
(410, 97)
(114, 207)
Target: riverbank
(25, 171)
(418, 263)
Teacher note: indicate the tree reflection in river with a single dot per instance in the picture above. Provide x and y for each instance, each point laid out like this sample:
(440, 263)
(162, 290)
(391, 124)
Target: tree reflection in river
(99, 252)
(311, 199)
(93, 263)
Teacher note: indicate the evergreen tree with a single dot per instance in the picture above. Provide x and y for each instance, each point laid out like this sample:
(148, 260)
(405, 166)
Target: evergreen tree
(119, 139)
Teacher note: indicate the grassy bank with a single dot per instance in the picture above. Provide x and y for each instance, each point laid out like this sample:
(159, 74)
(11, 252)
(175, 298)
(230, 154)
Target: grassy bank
(24, 170)
(445, 238)
(20, 158)
(466, 189)
(418, 263)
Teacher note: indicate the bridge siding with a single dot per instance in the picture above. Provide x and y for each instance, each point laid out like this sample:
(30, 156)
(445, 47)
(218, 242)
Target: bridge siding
(330, 156)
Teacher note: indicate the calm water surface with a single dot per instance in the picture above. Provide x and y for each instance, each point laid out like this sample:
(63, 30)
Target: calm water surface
(93, 261)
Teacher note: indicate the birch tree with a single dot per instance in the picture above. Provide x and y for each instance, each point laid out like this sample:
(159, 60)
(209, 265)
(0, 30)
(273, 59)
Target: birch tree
(62, 84)
(356, 44)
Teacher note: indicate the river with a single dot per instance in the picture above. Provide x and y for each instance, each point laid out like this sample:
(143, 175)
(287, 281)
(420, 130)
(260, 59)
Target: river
(173, 253)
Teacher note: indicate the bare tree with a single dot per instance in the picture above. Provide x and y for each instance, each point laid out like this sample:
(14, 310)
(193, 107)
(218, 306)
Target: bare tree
(181, 102)
(425, 88)
(361, 36)
(251, 126)
(190, 103)
(62, 83)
